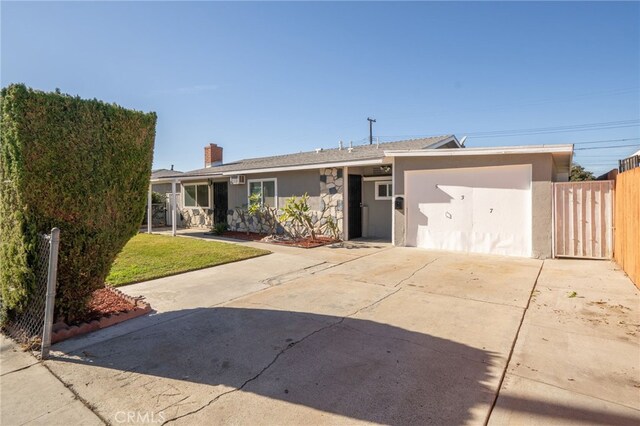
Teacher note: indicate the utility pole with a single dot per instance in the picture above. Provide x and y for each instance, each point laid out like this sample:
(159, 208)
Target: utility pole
(371, 121)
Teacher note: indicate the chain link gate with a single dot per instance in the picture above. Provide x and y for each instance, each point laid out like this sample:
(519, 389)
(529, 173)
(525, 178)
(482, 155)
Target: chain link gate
(31, 328)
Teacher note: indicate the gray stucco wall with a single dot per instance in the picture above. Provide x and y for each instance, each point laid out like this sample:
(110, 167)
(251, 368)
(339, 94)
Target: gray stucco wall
(542, 178)
(379, 212)
(288, 184)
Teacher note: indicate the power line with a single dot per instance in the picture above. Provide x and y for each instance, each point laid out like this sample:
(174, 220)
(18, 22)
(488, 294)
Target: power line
(558, 129)
(568, 126)
(606, 140)
(604, 157)
(606, 147)
(543, 130)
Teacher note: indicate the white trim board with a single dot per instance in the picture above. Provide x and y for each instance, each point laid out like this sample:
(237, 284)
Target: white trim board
(449, 152)
(338, 164)
(375, 178)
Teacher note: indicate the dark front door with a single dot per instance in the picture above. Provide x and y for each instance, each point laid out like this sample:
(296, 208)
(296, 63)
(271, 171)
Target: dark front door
(355, 206)
(220, 203)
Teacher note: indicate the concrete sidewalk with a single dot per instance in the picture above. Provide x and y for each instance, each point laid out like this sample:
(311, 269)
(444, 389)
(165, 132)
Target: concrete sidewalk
(31, 395)
(577, 357)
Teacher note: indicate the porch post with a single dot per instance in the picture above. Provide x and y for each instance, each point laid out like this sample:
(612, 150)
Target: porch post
(173, 208)
(149, 209)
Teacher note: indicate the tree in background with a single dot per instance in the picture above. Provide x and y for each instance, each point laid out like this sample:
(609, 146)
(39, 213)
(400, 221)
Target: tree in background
(579, 173)
(80, 165)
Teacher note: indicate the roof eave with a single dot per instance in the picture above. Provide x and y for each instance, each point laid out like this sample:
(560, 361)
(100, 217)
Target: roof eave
(448, 152)
(349, 163)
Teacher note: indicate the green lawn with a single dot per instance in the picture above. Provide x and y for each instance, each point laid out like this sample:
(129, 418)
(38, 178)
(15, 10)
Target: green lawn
(146, 257)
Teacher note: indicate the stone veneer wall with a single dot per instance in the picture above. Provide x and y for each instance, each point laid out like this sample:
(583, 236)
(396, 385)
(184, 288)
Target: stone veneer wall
(195, 217)
(331, 203)
(331, 197)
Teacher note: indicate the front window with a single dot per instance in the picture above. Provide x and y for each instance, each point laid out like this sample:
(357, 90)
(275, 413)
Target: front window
(383, 190)
(196, 195)
(264, 191)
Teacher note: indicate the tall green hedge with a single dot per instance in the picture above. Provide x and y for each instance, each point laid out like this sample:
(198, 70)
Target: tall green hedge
(81, 165)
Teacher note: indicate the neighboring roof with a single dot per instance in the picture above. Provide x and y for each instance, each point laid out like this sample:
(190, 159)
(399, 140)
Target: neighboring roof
(320, 157)
(163, 173)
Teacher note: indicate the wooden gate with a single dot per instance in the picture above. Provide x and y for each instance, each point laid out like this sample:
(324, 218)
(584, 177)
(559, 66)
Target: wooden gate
(583, 219)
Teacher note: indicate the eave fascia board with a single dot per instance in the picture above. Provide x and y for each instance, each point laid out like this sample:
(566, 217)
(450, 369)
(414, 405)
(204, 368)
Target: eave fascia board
(186, 178)
(540, 149)
(306, 167)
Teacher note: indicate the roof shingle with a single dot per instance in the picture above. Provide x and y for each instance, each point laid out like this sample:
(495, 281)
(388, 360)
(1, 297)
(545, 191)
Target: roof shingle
(334, 155)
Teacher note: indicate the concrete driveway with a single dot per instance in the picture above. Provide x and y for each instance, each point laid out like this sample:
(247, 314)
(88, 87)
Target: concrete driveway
(364, 333)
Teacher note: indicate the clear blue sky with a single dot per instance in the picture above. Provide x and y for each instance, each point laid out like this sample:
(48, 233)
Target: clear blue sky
(270, 78)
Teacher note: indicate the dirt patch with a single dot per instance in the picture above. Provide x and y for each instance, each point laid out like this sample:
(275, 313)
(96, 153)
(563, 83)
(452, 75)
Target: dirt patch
(619, 309)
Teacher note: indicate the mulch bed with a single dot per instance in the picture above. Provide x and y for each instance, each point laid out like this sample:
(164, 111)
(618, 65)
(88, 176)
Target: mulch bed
(108, 306)
(251, 236)
(304, 243)
(264, 238)
(105, 302)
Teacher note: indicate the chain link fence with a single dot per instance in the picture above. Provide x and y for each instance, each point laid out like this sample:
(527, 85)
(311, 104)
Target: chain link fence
(31, 328)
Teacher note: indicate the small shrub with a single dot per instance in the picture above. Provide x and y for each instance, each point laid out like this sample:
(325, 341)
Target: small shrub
(220, 228)
(298, 212)
(158, 198)
(331, 227)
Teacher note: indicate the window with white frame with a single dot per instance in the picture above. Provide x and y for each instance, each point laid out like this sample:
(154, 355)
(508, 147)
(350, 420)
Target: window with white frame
(264, 190)
(383, 190)
(196, 195)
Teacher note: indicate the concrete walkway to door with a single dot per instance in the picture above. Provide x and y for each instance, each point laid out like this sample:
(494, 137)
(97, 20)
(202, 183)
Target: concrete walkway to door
(365, 333)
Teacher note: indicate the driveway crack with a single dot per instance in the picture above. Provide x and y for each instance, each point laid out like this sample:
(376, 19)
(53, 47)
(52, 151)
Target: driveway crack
(513, 345)
(279, 354)
(20, 369)
(416, 271)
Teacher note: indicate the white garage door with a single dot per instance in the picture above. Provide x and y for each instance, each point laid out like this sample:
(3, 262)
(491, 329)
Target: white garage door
(481, 209)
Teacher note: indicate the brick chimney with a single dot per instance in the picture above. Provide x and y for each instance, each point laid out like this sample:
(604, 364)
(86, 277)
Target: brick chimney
(212, 155)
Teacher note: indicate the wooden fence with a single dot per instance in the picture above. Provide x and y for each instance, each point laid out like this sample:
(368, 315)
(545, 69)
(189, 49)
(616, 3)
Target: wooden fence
(583, 219)
(627, 223)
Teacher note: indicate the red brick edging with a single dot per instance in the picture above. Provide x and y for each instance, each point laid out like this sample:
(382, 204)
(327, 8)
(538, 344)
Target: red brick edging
(62, 331)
